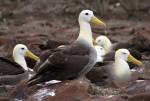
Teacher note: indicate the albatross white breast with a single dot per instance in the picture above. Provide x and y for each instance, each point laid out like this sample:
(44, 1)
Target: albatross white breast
(120, 70)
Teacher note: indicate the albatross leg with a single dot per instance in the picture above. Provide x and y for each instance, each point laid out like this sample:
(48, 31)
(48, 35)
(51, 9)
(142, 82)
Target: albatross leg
(83, 78)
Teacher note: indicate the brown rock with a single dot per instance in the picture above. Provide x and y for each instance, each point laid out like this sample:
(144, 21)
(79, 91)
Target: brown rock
(140, 42)
(140, 97)
(75, 90)
(4, 99)
(116, 98)
(139, 87)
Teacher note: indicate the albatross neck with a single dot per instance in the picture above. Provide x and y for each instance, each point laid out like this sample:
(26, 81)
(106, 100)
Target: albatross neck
(20, 60)
(85, 35)
(121, 62)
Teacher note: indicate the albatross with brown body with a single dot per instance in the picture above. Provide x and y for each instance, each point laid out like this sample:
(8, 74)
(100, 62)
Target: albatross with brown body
(11, 72)
(70, 61)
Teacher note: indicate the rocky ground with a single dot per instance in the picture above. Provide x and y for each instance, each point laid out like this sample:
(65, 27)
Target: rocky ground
(32, 23)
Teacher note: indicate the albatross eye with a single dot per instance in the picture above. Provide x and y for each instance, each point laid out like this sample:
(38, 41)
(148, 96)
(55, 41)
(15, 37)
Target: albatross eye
(99, 41)
(124, 53)
(101, 48)
(86, 13)
(22, 48)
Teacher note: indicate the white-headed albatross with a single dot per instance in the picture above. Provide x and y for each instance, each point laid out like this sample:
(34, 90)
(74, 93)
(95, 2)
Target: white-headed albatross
(71, 61)
(103, 46)
(14, 71)
(120, 71)
(104, 42)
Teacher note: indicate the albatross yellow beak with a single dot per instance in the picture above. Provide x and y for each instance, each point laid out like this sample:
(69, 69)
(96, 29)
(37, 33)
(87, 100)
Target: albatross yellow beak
(31, 55)
(96, 21)
(134, 60)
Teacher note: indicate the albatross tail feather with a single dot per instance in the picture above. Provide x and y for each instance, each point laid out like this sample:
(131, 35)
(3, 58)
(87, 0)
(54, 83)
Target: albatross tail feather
(35, 81)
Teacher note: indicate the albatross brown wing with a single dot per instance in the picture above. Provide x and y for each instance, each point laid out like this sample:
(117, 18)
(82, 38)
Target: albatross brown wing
(8, 67)
(63, 64)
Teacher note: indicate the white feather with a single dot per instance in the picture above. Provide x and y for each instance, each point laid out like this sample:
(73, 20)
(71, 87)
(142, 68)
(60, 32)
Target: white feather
(100, 53)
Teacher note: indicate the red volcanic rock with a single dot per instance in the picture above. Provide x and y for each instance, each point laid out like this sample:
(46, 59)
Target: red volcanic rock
(66, 91)
(138, 87)
(138, 42)
(74, 90)
(140, 97)
(116, 98)
(77, 90)
(4, 99)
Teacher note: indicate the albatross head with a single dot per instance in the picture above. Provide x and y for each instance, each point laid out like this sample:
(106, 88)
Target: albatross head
(125, 55)
(19, 53)
(88, 16)
(104, 42)
(85, 18)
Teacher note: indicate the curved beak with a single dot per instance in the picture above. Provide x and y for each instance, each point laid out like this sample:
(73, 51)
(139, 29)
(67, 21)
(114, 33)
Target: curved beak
(134, 60)
(96, 21)
(31, 55)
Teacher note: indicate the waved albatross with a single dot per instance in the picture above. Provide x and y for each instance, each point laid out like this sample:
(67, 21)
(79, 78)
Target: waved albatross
(11, 72)
(120, 71)
(109, 50)
(71, 61)
(100, 50)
